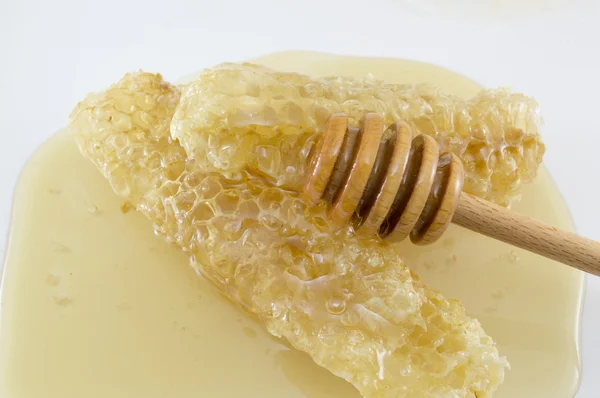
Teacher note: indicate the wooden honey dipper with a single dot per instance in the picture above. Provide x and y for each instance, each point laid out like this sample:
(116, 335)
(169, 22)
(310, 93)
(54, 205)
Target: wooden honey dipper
(388, 182)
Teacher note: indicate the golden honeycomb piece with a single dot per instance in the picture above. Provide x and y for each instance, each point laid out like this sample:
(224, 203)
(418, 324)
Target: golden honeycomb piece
(238, 117)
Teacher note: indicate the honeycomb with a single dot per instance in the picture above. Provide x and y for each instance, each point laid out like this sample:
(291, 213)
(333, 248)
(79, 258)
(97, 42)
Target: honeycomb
(247, 117)
(350, 303)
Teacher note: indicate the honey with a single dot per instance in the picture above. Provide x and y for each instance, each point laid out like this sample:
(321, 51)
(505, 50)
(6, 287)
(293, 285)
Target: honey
(124, 309)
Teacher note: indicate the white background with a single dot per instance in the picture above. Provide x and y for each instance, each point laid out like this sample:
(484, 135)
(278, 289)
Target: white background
(54, 52)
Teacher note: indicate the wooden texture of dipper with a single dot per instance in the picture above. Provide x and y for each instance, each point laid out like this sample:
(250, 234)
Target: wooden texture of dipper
(387, 181)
